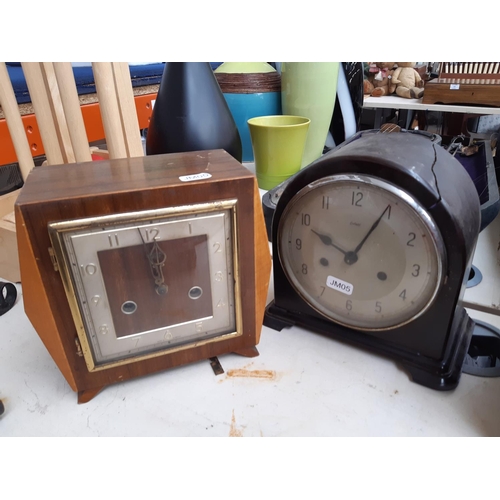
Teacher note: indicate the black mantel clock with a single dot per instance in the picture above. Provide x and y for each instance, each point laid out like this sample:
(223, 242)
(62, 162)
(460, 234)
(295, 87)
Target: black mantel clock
(372, 244)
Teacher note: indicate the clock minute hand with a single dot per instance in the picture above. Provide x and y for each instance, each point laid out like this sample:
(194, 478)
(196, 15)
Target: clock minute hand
(370, 231)
(328, 241)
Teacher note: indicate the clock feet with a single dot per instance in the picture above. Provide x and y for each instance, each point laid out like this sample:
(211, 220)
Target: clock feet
(88, 394)
(446, 376)
(248, 352)
(273, 318)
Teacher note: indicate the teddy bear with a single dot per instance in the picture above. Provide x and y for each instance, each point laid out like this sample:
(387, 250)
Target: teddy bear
(406, 81)
(379, 77)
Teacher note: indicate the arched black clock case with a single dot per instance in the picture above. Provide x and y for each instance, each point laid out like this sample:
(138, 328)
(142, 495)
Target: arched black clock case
(432, 347)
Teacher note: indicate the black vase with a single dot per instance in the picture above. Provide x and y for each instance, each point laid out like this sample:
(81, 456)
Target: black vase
(190, 113)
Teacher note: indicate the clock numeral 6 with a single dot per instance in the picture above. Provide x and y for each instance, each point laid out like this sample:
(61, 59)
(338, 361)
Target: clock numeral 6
(199, 326)
(348, 305)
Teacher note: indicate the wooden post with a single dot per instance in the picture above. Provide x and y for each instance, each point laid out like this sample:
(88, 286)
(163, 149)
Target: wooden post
(72, 111)
(55, 101)
(128, 112)
(110, 111)
(43, 111)
(14, 123)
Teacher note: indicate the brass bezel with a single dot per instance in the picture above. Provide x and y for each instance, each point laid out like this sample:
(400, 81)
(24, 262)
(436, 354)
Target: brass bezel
(58, 229)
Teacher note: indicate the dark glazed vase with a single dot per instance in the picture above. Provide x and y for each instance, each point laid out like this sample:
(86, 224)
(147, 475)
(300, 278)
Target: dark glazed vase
(190, 113)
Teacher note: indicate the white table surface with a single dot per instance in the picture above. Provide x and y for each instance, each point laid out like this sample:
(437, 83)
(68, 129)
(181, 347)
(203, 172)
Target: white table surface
(396, 102)
(301, 384)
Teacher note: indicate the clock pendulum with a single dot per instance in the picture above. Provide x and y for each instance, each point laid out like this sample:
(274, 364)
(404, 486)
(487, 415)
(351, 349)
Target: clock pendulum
(373, 244)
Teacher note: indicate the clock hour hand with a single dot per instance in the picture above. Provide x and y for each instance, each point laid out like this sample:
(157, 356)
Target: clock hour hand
(327, 241)
(156, 258)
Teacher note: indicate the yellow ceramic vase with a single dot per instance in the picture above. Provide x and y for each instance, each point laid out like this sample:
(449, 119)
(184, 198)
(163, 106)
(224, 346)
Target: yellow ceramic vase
(278, 145)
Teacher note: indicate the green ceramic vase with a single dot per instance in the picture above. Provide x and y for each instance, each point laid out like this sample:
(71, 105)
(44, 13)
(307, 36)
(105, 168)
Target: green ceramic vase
(310, 89)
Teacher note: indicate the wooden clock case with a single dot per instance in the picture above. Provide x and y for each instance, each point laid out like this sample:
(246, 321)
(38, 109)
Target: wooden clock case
(93, 189)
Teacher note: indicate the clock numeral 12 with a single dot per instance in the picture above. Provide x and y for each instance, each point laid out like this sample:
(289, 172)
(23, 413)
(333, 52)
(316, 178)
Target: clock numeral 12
(357, 196)
(152, 234)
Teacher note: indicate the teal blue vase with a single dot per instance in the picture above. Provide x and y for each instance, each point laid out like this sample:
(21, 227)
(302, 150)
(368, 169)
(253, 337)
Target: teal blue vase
(250, 90)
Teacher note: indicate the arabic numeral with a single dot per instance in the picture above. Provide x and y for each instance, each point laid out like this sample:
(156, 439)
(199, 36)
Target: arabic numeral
(152, 234)
(88, 269)
(95, 299)
(357, 196)
(218, 276)
(378, 307)
(304, 268)
(113, 240)
(306, 219)
(411, 240)
(403, 294)
(348, 305)
(298, 243)
(218, 247)
(103, 329)
(416, 270)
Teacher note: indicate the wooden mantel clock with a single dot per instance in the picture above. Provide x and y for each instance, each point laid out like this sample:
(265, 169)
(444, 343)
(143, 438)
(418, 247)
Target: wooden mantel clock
(134, 266)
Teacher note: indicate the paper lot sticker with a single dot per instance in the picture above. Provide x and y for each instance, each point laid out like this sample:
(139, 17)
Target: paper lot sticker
(339, 285)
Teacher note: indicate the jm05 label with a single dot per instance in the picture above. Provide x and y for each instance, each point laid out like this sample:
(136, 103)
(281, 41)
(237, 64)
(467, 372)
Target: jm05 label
(339, 285)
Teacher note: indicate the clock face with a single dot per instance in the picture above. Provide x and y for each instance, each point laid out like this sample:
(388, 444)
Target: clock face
(144, 283)
(361, 251)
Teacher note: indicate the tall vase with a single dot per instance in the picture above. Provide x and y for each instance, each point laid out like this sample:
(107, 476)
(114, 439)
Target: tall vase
(309, 89)
(190, 113)
(349, 104)
(251, 89)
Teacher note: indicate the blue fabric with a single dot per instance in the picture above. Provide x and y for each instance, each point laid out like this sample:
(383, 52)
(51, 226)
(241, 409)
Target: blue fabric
(141, 75)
